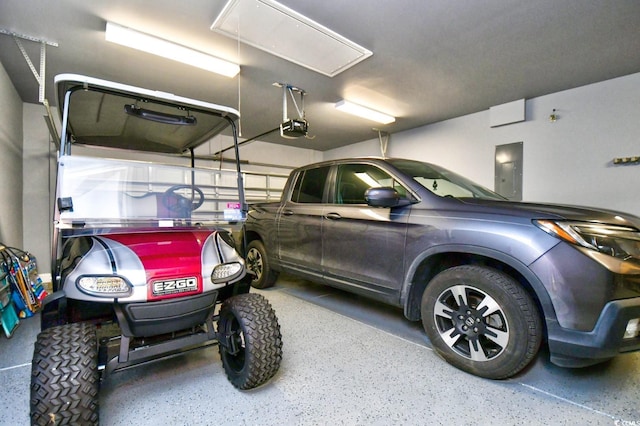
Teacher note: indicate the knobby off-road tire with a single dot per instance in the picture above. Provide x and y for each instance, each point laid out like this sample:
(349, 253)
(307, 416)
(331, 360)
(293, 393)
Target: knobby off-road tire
(258, 263)
(481, 321)
(251, 323)
(64, 376)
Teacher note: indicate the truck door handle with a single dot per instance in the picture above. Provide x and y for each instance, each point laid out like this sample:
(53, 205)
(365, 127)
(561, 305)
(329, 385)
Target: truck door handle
(287, 212)
(333, 216)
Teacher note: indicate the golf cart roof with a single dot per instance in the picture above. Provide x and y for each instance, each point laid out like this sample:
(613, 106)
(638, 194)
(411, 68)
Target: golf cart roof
(107, 114)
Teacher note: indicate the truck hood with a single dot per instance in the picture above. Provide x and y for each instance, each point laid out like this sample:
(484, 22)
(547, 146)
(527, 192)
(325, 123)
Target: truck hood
(557, 212)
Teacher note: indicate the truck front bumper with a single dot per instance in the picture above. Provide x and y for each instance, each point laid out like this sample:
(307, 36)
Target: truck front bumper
(613, 334)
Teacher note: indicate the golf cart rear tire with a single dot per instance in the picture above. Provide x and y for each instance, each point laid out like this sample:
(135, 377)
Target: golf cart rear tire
(251, 322)
(64, 376)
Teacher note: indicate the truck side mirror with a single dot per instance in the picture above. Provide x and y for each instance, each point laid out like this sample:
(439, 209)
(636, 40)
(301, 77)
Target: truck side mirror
(384, 197)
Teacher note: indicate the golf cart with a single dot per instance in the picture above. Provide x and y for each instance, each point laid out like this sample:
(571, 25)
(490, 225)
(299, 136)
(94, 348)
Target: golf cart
(144, 264)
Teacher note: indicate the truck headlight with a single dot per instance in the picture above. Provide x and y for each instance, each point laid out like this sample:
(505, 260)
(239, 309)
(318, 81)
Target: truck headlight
(226, 272)
(621, 242)
(104, 286)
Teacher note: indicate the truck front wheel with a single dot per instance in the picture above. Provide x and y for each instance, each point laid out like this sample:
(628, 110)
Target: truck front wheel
(250, 340)
(64, 376)
(481, 321)
(258, 264)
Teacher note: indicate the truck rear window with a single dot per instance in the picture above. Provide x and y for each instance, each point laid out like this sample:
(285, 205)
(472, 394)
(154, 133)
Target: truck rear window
(309, 186)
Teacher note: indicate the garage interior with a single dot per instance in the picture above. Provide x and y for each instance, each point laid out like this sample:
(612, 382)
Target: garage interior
(553, 84)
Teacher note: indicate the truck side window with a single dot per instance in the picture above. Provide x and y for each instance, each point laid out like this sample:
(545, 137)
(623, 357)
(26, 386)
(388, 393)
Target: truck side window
(355, 179)
(309, 185)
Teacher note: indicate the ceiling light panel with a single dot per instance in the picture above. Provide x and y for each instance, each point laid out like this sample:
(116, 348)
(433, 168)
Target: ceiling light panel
(283, 32)
(364, 112)
(160, 47)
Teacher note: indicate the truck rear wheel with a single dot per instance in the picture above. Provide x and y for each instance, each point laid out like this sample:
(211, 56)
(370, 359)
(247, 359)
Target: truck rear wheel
(64, 376)
(250, 340)
(481, 321)
(258, 264)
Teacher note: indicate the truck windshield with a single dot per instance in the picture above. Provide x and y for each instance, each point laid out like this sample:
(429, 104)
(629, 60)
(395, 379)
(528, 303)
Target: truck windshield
(443, 182)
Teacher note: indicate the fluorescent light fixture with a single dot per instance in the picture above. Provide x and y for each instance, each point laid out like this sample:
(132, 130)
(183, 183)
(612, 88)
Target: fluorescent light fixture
(147, 43)
(283, 32)
(364, 112)
(367, 179)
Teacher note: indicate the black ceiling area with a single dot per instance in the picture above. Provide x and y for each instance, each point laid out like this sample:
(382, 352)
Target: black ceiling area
(431, 60)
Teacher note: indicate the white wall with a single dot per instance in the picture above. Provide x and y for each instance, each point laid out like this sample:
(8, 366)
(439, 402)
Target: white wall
(10, 163)
(268, 153)
(258, 156)
(370, 148)
(569, 161)
(39, 182)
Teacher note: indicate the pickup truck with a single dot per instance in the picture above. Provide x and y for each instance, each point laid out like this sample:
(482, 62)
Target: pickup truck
(490, 279)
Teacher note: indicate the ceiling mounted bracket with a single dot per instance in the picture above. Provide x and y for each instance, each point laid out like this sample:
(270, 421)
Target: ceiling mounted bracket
(39, 76)
(383, 137)
(292, 127)
(289, 89)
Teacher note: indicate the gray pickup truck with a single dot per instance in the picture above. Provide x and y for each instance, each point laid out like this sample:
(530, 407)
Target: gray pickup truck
(490, 279)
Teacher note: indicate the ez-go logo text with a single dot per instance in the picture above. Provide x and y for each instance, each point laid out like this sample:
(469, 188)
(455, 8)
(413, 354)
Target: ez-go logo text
(180, 285)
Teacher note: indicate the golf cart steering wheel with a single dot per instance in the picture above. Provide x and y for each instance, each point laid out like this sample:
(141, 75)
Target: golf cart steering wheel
(178, 203)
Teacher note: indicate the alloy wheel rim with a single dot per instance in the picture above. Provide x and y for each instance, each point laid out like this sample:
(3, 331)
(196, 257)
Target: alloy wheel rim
(471, 323)
(254, 263)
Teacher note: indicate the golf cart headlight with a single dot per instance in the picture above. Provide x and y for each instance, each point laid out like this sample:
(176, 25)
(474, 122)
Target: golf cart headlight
(226, 272)
(104, 286)
(621, 242)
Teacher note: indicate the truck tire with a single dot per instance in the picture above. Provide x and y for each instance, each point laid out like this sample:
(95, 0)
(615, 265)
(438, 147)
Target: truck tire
(64, 376)
(258, 264)
(251, 343)
(481, 321)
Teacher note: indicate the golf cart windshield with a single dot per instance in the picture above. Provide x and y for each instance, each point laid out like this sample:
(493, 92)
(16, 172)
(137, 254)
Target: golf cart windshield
(99, 192)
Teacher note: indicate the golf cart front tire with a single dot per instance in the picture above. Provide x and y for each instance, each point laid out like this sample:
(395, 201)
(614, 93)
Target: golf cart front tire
(64, 376)
(251, 343)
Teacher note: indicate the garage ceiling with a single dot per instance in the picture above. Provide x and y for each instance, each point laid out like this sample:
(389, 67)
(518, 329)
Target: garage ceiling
(432, 59)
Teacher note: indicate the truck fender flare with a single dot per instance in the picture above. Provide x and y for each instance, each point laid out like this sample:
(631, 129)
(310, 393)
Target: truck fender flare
(538, 288)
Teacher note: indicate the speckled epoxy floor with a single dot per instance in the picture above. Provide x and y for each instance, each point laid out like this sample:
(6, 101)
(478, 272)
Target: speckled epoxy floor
(347, 361)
